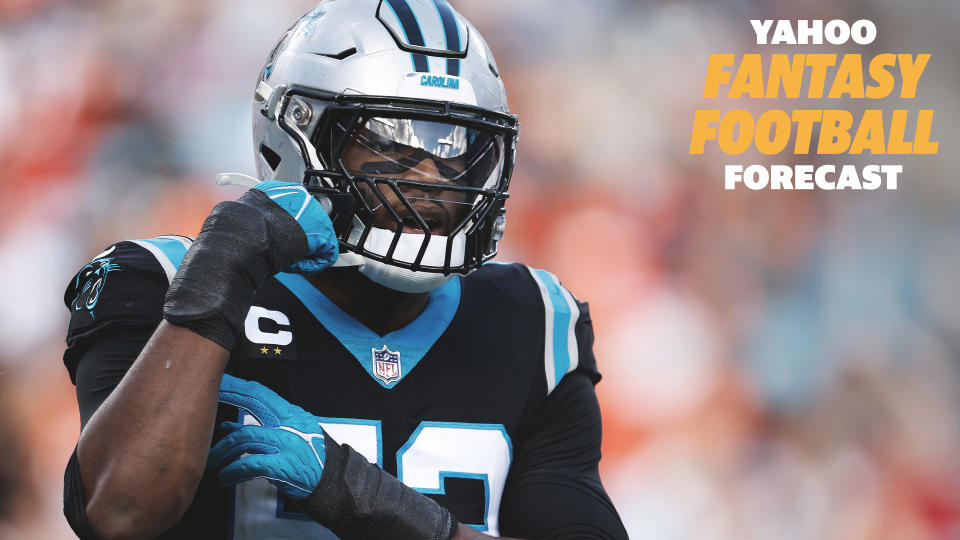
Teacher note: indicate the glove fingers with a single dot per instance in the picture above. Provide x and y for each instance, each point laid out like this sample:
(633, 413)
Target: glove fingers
(322, 244)
(239, 450)
(226, 428)
(250, 467)
(260, 466)
(260, 401)
(264, 440)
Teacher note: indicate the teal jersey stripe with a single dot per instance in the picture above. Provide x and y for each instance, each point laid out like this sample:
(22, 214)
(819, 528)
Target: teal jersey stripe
(168, 250)
(561, 354)
(412, 341)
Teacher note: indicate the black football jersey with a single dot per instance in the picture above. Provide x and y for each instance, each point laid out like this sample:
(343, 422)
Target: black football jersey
(443, 403)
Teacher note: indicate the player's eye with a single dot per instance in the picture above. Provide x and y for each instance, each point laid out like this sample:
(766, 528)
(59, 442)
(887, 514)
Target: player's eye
(383, 146)
(403, 164)
(384, 167)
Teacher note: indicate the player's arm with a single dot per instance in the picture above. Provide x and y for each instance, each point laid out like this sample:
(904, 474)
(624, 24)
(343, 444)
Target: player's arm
(554, 488)
(141, 456)
(142, 453)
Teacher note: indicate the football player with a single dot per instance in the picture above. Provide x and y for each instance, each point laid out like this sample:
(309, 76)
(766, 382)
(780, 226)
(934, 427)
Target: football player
(334, 356)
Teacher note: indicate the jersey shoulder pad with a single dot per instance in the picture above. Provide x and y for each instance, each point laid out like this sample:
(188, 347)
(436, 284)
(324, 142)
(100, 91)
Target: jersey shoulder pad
(507, 281)
(567, 327)
(123, 285)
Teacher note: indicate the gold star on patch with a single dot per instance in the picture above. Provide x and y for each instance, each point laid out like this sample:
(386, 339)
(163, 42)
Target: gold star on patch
(277, 351)
(263, 350)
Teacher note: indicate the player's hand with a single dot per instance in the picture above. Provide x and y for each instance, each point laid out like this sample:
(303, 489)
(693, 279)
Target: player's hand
(274, 227)
(288, 448)
(322, 245)
(335, 485)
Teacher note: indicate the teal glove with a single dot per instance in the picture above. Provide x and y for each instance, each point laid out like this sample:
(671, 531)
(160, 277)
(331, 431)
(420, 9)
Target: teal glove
(322, 243)
(288, 449)
(335, 485)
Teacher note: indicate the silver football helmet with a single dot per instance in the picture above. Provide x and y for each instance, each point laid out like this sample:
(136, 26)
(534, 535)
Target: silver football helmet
(393, 112)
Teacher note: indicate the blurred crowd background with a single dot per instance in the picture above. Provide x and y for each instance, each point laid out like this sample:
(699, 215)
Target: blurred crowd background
(777, 365)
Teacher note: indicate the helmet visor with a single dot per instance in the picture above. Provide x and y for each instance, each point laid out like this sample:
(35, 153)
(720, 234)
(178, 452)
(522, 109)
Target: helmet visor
(424, 150)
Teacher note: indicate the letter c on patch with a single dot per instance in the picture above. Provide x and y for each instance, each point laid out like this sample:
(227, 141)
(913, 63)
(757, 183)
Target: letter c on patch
(251, 327)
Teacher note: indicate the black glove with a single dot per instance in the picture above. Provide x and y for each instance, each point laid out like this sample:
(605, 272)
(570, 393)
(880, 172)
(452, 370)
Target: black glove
(273, 227)
(357, 500)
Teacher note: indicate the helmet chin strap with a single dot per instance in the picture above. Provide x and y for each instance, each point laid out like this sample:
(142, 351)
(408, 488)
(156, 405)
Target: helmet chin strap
(402, 279)
(392, 277)
(349, 259)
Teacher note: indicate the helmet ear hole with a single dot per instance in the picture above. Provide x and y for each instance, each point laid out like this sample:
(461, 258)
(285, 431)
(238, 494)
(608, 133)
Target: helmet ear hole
(271, 157)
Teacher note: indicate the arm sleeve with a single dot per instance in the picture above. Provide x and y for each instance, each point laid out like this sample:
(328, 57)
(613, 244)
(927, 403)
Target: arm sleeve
(554, 488)
(73, 501)
(98, 371)
(115, 304)
(103, 364)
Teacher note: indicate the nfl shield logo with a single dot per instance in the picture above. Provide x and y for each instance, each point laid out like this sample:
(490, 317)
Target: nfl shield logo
(386, 364)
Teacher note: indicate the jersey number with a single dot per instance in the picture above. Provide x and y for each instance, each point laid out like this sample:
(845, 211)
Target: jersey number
(451, 462)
